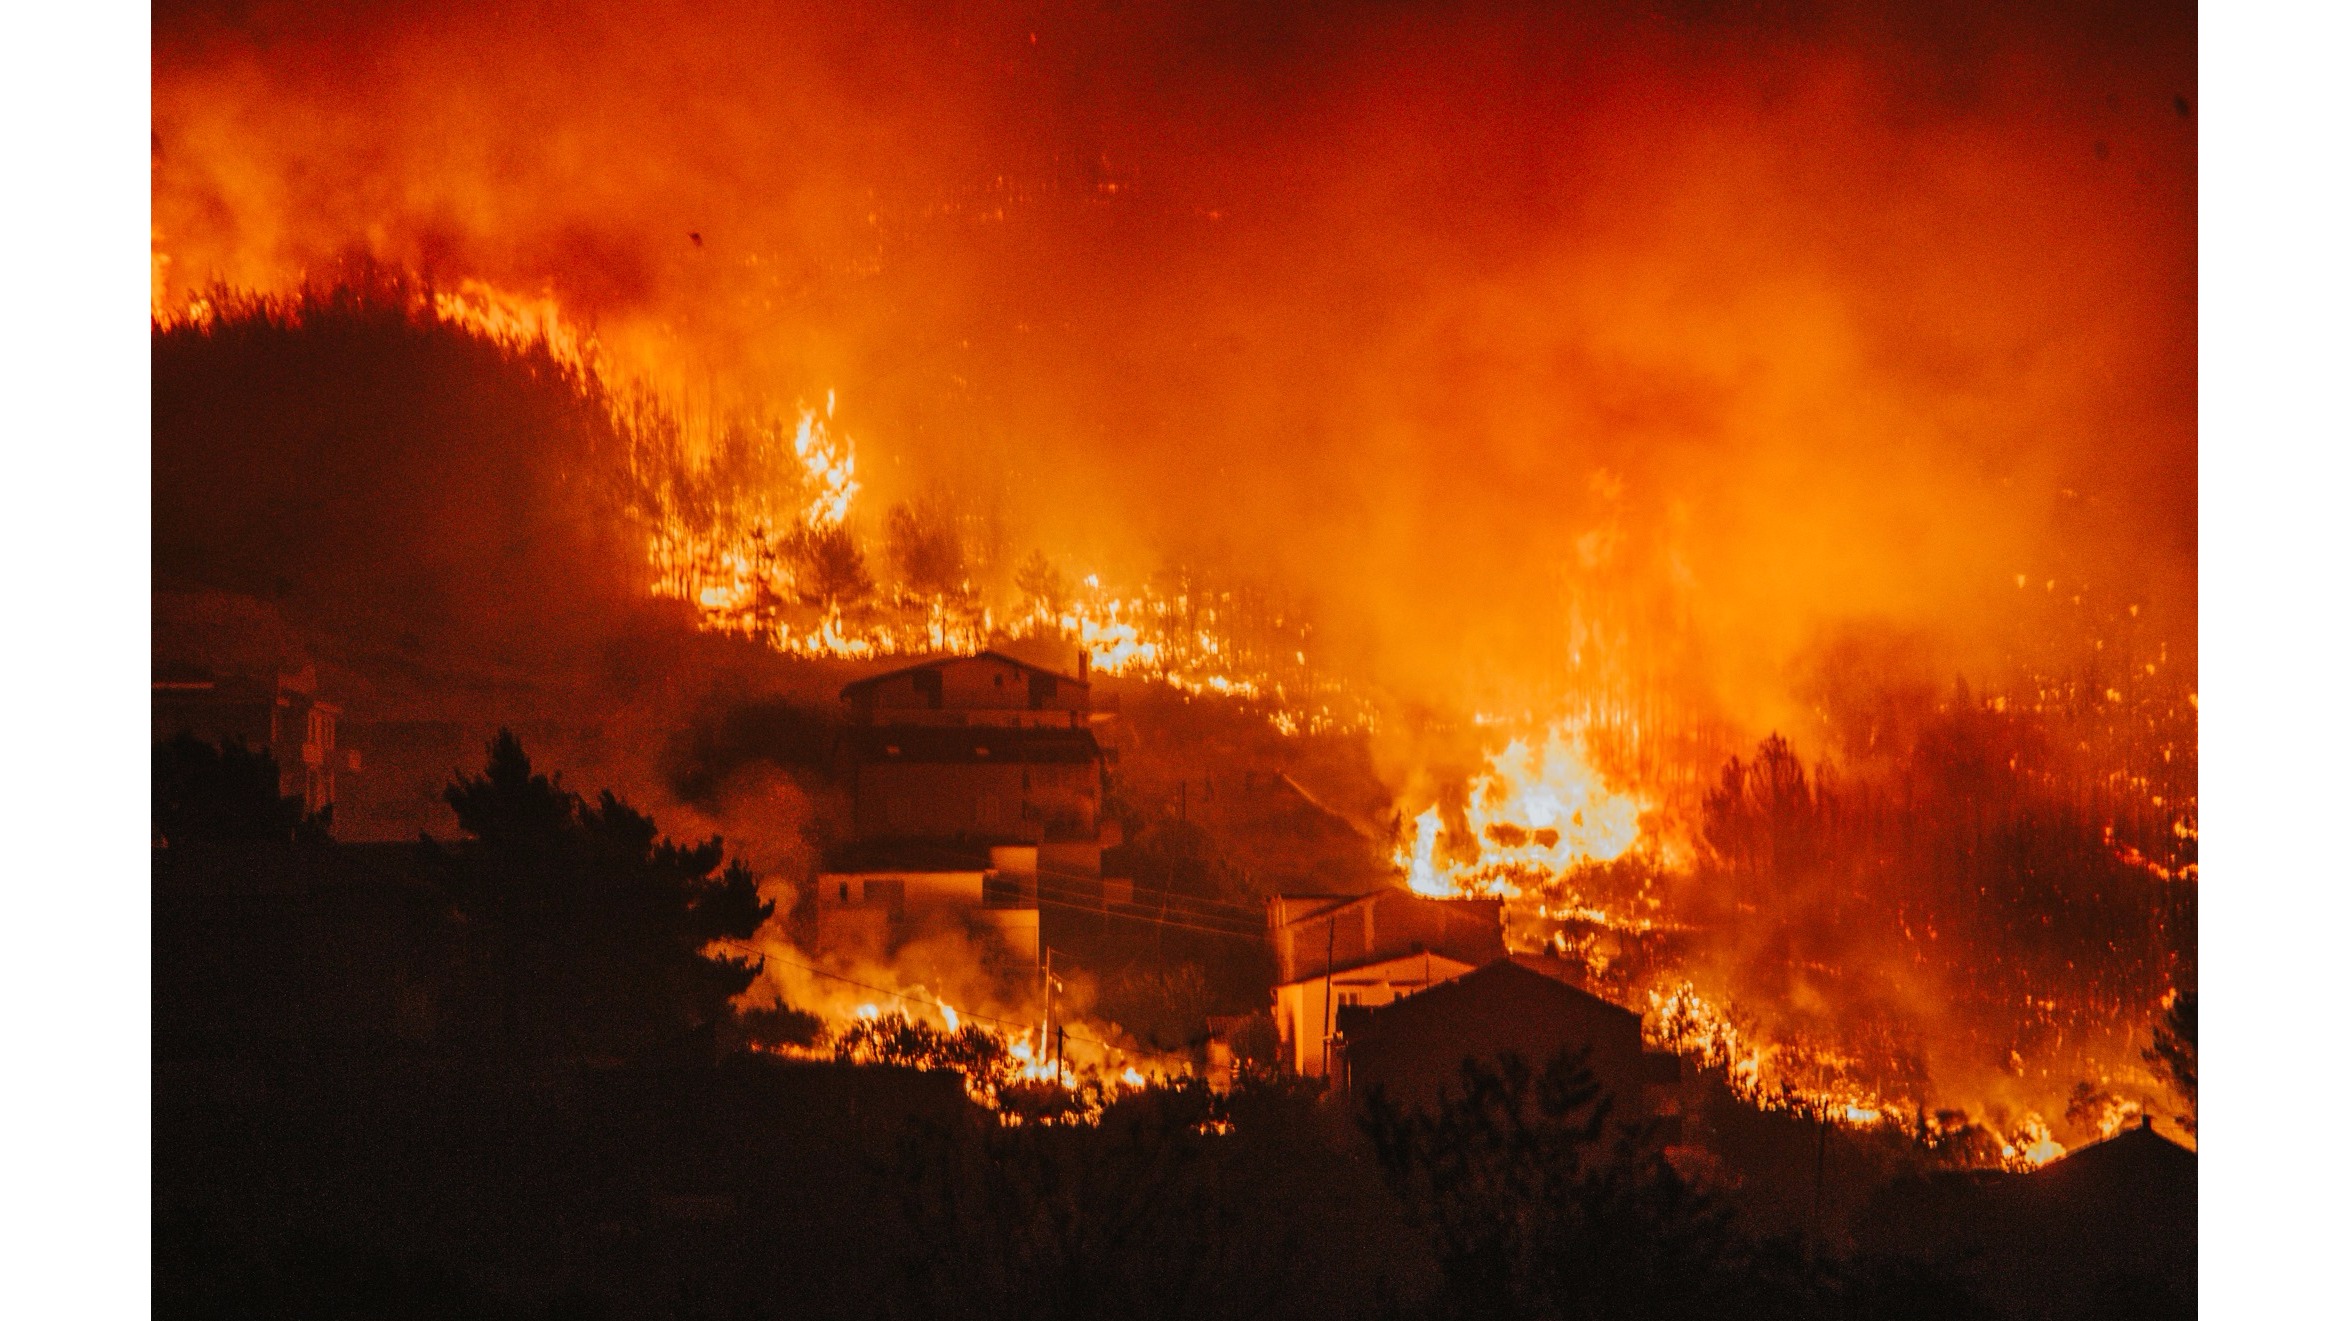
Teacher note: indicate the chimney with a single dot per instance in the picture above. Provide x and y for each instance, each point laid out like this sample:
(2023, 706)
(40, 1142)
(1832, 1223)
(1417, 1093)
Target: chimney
(1084, 664)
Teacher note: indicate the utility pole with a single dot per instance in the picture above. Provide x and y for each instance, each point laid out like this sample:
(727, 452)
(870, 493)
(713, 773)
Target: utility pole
(1050, 1048)
(1819, 1168)
(1329, 1010)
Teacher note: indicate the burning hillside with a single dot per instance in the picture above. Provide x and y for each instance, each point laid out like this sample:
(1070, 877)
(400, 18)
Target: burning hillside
(1638, 392)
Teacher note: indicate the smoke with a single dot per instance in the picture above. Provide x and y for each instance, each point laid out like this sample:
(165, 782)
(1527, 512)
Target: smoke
(1449, 318)
(1736, 368)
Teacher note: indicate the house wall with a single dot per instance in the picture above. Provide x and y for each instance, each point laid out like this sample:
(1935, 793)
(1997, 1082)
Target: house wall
(1311, 933)
(902, 894)
(1031, 801)
(1416, 1049)
(281, 714)
(979, 690)
(867, 912)
(1303, 1011)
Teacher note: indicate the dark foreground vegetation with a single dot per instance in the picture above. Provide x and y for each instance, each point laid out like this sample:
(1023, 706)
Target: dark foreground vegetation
(497, 1077)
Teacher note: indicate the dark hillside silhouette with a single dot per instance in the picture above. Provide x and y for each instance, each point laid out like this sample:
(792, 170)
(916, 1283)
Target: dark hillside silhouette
(346, 452)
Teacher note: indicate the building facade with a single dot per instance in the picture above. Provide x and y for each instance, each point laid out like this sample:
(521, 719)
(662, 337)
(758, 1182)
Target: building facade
(1411, 1050)
(280, 711)
(975, 786)
(1334, 951)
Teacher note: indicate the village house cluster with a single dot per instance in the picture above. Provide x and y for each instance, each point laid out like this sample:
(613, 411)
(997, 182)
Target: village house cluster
(977, 785)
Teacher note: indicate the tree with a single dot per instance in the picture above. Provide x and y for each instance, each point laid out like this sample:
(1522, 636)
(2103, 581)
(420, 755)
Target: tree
(1536, 1207)
(1041, 584)
(927, 548)
(598, 928)
(1767, 815)
(2173, 1053)
(1140, 1217)
(1180, 857)
(225, 794)
(828, 567)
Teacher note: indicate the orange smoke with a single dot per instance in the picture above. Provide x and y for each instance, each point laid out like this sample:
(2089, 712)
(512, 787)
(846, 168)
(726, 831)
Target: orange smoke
(1664, 379)
(1463, 324)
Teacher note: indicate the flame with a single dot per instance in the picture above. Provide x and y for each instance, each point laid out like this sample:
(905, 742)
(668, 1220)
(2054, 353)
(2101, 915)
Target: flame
(2030, 1145)
(830, 466)
(1769, 1075)
(1531, 816)
(1537, 811)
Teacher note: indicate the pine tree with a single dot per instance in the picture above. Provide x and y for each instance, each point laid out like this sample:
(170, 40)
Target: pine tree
(599, 931)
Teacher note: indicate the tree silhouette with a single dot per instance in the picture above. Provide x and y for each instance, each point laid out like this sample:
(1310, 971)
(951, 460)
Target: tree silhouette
(1142, 1216)
(225, 794)
(2173, 1054)
(927, 548)
(597, 928)
(1535, 1211)
(1042, 584)
(828, 567)
(1767, 815)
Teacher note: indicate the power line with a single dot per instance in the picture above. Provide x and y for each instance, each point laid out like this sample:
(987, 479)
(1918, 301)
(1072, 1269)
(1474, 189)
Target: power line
(1126, 908)
(1152, 917)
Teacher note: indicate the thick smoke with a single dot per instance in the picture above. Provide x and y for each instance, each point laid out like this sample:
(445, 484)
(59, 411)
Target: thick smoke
(1740, 368)
(1450, 318)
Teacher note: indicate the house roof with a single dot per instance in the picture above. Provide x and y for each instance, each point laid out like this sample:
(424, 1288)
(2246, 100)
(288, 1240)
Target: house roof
(1307, 906)
(2131, 1154)
(1457, 994)
(1404, 959)
(969, 745)
(941, 662)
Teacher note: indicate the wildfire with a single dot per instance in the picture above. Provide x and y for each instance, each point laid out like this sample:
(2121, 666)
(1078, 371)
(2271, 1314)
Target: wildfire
(1768, 1075)
(1009, 1071)
(778, 557)
(830, 466)
(2030, 1145)
(1531, 816)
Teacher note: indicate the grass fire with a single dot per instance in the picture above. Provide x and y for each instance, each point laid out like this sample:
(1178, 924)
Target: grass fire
(1497, 660)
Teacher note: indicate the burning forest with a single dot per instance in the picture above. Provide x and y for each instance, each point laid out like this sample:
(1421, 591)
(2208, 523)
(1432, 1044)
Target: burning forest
(1103, 517)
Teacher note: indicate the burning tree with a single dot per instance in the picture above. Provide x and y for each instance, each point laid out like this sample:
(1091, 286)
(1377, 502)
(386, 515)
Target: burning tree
(2174, 1053)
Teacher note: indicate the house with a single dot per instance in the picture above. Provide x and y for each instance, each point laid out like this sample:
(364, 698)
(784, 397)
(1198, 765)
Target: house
(1412, 1049)
(989, 689)
(1033, 786)
(279, 710)
(975, 789)
(2107, 1230)
(1334, 951)
(873, 895)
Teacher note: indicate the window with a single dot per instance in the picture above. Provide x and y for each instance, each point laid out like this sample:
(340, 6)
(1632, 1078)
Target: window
(930, 686)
